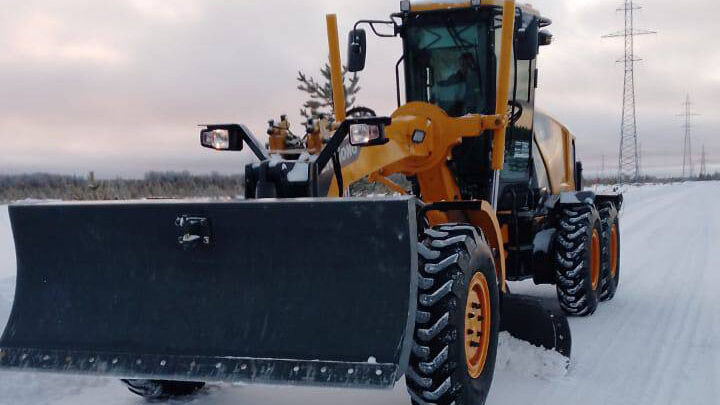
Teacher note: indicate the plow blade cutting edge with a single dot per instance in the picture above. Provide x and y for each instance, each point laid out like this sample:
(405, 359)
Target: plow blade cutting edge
(537, 321)
(312, 292)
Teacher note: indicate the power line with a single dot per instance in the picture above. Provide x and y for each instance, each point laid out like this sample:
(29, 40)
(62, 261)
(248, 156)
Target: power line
(703, 164)
(629, 159)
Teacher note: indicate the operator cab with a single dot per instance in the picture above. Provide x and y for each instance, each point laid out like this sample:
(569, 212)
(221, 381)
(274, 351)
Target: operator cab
(447, 61)
(451, 53)
(450, 58)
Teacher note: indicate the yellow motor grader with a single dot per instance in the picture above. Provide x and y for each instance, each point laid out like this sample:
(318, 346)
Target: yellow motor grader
(302, 283)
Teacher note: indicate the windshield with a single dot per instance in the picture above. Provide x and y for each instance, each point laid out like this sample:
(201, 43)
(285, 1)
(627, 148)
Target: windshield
(447, 63)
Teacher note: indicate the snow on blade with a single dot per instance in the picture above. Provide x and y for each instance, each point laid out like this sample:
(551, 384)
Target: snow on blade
(521, 357)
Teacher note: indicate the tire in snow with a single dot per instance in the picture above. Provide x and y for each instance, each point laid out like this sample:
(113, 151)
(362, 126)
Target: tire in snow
(610, 251)
(578, 259)
(163, 390)
(458, 319)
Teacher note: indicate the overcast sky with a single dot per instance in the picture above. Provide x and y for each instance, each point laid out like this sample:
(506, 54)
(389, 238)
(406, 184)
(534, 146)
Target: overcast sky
(119, 86)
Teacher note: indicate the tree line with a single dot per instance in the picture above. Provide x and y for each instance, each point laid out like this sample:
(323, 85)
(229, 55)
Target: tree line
(43, 186)
(592, 180)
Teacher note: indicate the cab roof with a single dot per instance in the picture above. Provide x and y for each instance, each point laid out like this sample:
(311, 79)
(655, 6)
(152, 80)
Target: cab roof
(418, 6)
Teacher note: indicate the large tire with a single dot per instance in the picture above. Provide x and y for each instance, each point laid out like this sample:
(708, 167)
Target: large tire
(158, 390)
(611, 250)
(578, 259)
(458, 319)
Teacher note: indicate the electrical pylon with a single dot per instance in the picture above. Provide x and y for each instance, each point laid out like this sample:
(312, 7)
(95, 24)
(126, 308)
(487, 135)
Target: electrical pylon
(687, 114)
(629, 159)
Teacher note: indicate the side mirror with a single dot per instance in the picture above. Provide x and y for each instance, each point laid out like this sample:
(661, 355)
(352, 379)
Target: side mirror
(357, 51)
(545, 38)
(368, 131)
(579, 176)
(527, 45)
(222, 137)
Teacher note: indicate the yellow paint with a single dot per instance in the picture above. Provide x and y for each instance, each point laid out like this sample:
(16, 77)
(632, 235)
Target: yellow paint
(555, 148)
(336, 68)
(478, 321)
(614, 246)
(401, 155)
(420, 7)
(278, 135)
(439, 6)
(486, 219)
(567, 159)
(503, 85)
(505, 233)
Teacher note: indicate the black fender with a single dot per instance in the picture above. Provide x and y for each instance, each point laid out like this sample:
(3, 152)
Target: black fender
(571, 198)
(615, 198)
(543, 251)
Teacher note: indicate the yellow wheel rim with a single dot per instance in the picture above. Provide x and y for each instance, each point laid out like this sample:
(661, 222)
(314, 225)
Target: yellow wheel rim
(614, 251)
(595, 259)
(477, 325)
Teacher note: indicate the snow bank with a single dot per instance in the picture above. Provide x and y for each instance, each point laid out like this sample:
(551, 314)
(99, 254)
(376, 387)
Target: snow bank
(521, 357)
(41, 389)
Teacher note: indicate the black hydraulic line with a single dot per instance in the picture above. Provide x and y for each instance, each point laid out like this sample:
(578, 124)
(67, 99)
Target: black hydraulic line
(337, 168)
(516, 217)
(397, 79)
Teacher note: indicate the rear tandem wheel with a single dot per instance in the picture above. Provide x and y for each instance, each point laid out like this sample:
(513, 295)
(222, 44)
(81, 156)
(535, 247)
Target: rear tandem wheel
(611, 250)
(578, 259)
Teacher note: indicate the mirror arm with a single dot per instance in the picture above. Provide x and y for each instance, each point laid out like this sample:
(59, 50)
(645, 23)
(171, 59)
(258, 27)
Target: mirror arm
(257, 148)
(371, 23)
(332, 146)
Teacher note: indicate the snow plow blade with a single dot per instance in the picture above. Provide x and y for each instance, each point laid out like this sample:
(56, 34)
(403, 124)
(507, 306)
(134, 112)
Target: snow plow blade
(308, 292)
(537, 321)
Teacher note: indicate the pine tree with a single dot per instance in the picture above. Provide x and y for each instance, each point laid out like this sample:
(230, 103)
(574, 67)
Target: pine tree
(321, 94)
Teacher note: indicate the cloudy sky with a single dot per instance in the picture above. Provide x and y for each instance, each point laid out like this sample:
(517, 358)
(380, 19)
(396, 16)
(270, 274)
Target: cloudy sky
(119, 86)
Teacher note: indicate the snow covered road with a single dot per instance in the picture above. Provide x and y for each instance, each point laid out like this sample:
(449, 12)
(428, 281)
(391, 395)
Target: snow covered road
(657, 343)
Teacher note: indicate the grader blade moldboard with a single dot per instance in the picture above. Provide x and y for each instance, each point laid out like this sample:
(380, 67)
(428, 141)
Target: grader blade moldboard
(313, 291)
(537, 321)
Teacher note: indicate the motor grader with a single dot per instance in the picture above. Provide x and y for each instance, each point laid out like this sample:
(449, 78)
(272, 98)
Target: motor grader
(303, 283)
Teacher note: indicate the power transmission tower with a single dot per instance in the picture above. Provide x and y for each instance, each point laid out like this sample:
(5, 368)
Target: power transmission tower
(687, 114)
(703, 165)
(628, 160)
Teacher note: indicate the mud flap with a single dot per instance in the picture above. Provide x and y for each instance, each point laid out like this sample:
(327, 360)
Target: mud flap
(311, 292)
(537, 321)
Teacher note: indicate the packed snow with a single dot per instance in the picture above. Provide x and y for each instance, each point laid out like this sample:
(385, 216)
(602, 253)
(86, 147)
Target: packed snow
(657, 343)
